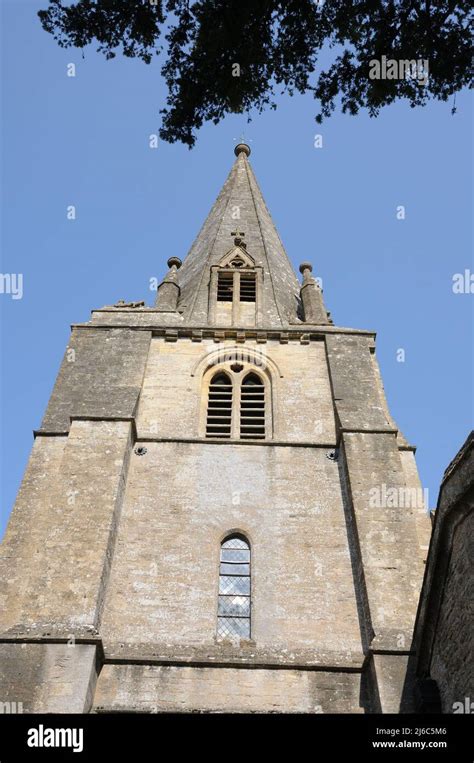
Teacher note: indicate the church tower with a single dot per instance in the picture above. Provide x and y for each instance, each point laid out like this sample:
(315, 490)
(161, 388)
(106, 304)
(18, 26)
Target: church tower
(217, 514)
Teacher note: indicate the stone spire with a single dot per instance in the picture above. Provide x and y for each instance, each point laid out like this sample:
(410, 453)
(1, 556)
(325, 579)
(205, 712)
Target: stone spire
(240, 218)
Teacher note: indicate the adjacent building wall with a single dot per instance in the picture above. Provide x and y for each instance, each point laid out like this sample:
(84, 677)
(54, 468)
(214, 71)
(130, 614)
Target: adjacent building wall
(445, 621)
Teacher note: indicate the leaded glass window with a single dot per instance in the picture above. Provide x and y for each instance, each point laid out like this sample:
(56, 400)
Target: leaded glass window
(233, 615)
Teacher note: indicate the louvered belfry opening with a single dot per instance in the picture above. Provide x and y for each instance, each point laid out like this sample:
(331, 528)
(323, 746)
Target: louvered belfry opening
(252, 408)
(233, 614)
(225, 287)
(219, 407)
(247, 287)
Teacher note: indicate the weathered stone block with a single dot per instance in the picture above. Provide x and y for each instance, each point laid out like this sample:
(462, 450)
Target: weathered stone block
(155, 689)
(47, 678)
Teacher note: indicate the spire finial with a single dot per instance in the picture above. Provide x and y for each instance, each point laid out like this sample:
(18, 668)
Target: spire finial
(306, 269)
(242, 145)
(242, 148)
(174, 262)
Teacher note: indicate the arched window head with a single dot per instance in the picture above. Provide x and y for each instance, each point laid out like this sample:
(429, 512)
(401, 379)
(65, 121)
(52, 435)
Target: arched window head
(233, 613)
(219, 407)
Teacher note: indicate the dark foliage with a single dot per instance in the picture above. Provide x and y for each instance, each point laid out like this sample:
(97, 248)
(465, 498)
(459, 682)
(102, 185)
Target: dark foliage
(276, 44)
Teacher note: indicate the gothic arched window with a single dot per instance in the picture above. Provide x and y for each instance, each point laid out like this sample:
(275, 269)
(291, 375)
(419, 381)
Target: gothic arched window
(219, 407)
(252, 408)
(238, 405)
(233, 613)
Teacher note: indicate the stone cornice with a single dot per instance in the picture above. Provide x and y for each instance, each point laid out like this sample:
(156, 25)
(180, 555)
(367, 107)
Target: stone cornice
(220, 441)
(219, 655)
(303, 333)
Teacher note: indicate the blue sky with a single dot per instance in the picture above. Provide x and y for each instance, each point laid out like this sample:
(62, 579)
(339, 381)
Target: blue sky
(84, 141)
